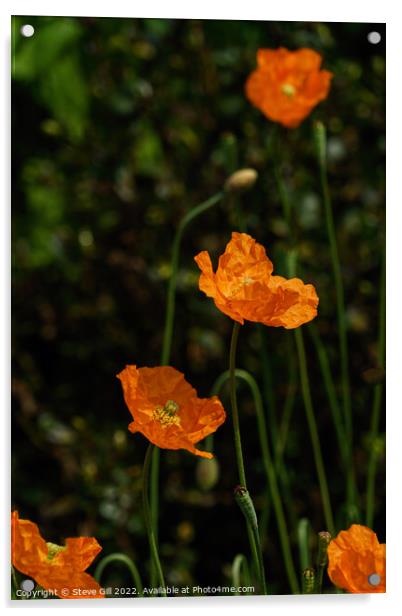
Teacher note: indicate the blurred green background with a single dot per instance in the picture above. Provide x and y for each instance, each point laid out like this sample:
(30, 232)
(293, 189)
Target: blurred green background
(119, 127)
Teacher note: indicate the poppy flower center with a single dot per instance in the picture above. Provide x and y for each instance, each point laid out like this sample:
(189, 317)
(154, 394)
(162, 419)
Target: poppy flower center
(288, 90)
(245, 281)
(167, 415)
(53, 550)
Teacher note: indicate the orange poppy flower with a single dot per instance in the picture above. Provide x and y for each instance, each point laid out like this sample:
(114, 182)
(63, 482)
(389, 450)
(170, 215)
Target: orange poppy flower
(356, 560)
(287, 85)
(243, 287)
(58, 569)
(166, 409)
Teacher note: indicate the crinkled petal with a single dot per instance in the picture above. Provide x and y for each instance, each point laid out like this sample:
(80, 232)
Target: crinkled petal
(353, 556)
(28, 549)
(79, 553)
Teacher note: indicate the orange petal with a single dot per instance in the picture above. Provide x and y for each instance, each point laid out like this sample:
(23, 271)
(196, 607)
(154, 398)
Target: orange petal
(207, 278)
(28, 549)
(70, 584)
(353, 556)
(79, 552)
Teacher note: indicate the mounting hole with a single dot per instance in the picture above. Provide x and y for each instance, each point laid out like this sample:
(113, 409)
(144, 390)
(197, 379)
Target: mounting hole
(374, 38)
(27, 30)
(374, 579)
(27, 585)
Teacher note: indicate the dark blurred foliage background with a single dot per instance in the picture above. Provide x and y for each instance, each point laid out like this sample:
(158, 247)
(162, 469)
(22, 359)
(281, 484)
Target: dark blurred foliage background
(119, 127)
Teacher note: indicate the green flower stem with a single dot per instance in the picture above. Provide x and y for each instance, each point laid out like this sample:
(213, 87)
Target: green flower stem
(246, 505)
(267, 377)
(322, 559)
(303, 538)
(376, 410)
(254, 539)
(268, 467)
(348, 471)
(147, 516)
(330, 389)
(304, 378)
(312, 425)
(167, 345)
(320, 141)
(288, 406)
(270, 473)
(235, 410)
(14, 586)
(121, 558)
(171, 295)
(279, 443)
(240, 564)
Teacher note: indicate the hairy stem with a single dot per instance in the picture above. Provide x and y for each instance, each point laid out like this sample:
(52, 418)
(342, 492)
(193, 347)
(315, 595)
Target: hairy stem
(148, 518)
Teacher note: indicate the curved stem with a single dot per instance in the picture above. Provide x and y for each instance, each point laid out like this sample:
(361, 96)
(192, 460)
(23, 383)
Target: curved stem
(254, 538)
(167, 344)
(272, 482)
(148, 519)
(174, 263)
(376, 411)
(268, 467)
(239, 563)
(122, 558)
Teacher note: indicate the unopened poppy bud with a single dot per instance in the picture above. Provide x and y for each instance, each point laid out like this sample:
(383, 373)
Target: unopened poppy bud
(207, 473)
(374, 376)
(243, 499)
(241, 180)
(308, 581)
(324, 539)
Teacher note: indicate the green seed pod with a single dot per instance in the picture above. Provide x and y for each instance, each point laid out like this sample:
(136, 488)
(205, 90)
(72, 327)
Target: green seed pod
(308, 581)
(243, 499)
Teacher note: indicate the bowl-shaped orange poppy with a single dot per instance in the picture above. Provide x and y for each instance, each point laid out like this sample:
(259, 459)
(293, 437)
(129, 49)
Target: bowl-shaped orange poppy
(243, 286)
(356, 560)
(166, 409)
(58, 569)
(287, 85)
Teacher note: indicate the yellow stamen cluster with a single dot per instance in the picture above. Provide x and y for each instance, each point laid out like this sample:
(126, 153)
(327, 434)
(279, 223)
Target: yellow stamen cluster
(167, 415)
(288, 90)
(54, 549)
(244, 282)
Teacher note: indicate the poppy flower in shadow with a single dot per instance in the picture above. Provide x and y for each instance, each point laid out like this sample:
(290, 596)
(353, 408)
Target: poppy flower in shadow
(58, 569)
(244, 288)
(287, 85)
(166, 409)
(356, 560)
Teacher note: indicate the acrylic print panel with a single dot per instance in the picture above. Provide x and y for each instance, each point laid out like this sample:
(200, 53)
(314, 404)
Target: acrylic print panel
(198, 210)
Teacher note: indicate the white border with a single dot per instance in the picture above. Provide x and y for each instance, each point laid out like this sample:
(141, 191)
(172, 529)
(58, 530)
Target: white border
(292, 10)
